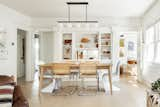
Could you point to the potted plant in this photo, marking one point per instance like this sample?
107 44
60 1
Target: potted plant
156 86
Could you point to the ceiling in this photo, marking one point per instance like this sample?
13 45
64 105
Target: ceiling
96 8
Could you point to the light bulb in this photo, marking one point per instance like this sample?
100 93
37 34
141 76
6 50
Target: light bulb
69 25
60 25
2 30
87 25
78 25
96 24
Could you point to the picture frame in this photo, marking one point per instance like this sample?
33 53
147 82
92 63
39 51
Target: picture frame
3 46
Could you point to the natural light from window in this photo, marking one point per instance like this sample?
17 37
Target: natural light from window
149 47
158 53
158 45
149 35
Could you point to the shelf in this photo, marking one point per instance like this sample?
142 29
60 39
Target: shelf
67 45
105 58
106 39
105 54
99 43
87 48
106 45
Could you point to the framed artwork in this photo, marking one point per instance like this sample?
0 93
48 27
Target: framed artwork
121 42
130 46
3 46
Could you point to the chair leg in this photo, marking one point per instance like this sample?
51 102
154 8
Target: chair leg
82 83
98 83
77 81
82 80
55 85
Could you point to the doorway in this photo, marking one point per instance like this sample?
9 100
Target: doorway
37 51
21 53
128 52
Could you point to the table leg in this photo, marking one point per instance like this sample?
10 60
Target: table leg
41 79
110 79
98 83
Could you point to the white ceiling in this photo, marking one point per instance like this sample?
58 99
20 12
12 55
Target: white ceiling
96 8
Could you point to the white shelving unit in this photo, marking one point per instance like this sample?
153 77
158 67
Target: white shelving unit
99 46
105 42
87 50
67 46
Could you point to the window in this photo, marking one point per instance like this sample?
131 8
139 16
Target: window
149 35
159 31
157 59
150 52
152 44
149 44
158 53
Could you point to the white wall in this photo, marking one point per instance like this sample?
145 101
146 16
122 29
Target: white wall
57 47
151 70
152 15
10 20
46 47
117 24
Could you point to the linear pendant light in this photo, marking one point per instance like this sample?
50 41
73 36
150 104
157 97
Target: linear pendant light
77 21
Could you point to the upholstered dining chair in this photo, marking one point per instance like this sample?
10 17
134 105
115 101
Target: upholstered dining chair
88 70
61 71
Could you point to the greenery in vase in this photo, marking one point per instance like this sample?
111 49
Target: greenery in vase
156 85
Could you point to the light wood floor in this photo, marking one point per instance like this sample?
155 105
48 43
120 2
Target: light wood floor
131 94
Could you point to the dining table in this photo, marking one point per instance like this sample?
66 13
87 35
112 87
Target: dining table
74 65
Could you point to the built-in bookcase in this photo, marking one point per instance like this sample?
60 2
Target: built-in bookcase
105 46
87 46
67 46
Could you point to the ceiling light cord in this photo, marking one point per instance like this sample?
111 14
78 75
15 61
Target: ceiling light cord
77 3
69 15
86 14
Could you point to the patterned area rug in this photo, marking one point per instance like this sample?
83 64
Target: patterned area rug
65 91
69 90
89 91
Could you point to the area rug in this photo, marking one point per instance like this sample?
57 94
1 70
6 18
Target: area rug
88 91
64 91
51 87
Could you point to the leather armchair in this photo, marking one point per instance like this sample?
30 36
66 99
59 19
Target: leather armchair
18 98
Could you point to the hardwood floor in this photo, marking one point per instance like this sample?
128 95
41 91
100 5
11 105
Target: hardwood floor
131 94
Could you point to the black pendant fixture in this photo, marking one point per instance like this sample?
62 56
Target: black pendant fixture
77 21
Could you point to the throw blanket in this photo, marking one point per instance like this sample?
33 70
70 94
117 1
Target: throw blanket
6 95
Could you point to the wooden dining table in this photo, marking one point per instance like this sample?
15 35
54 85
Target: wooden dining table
74 65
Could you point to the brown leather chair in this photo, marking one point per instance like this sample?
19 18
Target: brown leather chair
18 98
